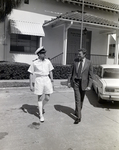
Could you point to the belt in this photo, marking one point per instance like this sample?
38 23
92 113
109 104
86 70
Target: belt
41 75
77 80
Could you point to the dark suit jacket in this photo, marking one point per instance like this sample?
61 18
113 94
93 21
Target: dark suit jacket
87 74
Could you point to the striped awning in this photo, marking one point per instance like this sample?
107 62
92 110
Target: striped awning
76 17
95 4
26 28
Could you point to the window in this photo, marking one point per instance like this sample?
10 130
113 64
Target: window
26 1
1 2
111 50
99 71
112 73
23 43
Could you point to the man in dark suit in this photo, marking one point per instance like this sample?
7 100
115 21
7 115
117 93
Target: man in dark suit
80 80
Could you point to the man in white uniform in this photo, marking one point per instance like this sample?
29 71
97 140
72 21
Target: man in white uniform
41 79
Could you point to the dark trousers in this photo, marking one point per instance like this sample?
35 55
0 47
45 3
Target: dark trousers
79 97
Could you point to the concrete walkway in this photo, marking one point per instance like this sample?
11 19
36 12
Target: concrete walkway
19 130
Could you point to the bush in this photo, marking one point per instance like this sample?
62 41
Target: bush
13 70
61 72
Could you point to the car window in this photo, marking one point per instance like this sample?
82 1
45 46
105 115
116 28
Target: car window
99 71
111 73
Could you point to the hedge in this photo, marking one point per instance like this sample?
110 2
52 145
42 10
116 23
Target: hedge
61 72
15 70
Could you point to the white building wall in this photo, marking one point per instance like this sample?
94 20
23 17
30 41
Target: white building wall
53 41
42 10
17 57
48 7
99 47
99 43
54 8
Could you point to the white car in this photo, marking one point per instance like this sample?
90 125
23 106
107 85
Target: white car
106 83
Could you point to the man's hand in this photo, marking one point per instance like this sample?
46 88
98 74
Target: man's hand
69 84
52 84
87 89
32 87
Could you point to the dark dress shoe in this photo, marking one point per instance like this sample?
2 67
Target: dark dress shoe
77 121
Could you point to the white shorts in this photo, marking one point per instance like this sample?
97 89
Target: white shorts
43 85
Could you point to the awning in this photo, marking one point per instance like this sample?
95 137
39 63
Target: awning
76 17
95 4
26 28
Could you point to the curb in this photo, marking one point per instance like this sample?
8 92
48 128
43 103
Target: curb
56 87
25 84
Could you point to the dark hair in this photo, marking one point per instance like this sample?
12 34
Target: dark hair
83 50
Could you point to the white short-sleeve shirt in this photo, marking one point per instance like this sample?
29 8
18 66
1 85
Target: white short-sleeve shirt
39 67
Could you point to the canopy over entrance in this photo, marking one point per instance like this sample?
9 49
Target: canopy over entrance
73 19
76 18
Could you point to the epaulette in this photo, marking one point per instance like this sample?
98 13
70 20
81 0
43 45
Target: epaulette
35 59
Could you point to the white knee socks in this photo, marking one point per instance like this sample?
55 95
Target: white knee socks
40 106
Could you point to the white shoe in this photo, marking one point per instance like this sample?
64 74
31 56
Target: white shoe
41 118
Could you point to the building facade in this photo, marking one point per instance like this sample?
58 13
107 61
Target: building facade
56 24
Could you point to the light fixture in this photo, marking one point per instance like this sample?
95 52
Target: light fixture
85 31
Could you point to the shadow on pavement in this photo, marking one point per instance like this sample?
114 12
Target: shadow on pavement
93 99
31 109
66 110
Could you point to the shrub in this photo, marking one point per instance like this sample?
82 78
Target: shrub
61 72
13 70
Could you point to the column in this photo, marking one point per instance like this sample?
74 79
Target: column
108 43
117 48
64 46
40 41
66 27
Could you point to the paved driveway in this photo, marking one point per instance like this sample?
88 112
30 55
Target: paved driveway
99 129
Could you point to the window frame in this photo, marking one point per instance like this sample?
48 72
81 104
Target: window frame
14 38
113 54
99 72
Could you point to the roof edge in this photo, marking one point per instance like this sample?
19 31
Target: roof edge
104 6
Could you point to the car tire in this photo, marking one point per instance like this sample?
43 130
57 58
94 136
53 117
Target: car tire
100 100
93 88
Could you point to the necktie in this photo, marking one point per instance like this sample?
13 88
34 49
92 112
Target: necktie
80 69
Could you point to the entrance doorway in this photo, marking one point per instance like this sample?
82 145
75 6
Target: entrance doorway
73 44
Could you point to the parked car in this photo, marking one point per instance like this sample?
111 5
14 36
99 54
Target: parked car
106 83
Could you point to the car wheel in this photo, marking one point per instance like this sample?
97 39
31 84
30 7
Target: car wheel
100 100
